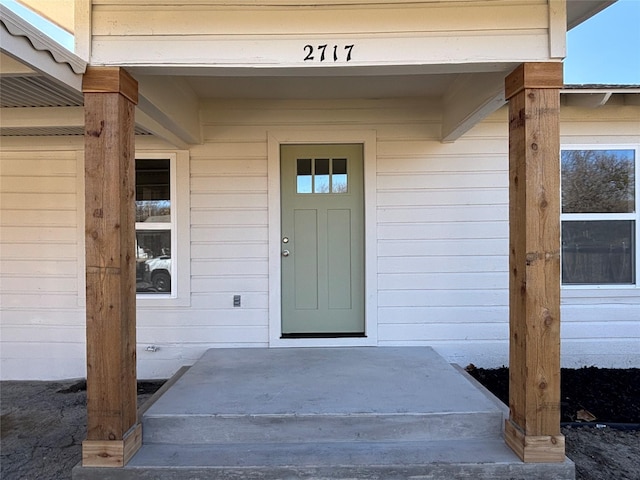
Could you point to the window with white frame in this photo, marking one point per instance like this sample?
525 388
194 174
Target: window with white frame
154 226
599 215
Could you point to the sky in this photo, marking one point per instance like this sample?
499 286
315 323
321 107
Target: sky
52 30
606 48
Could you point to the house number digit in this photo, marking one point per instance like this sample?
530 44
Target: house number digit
343 53
309 50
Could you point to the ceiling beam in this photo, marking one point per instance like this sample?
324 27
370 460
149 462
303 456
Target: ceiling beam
171 108
470 99
151 125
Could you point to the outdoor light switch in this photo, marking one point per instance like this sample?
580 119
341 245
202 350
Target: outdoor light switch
236 300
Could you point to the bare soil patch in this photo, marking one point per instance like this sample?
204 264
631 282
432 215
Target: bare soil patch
43 424
600 411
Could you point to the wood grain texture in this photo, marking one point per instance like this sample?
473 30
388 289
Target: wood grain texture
112 453
110 80
110 266
534 262
534 449
533 75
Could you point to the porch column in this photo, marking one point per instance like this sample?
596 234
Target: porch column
113 431
533 428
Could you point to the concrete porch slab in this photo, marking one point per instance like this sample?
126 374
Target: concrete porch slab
477 460
320 395
325 413
320 381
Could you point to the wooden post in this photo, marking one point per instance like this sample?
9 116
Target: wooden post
533 428
113 431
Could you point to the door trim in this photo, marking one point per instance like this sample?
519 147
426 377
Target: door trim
368 139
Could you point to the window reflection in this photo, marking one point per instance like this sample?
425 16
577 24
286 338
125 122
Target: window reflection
598 210
598 181
153 261
304 176
321 175
153 226
339 175
153 191
598 252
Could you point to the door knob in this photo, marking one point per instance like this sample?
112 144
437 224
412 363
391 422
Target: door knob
285 253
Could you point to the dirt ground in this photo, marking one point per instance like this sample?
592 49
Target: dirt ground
593 400
43 425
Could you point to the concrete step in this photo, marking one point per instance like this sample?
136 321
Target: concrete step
325 427
477 459
321 395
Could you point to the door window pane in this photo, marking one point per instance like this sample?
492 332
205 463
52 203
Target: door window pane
321 179
598 181
321 175
598 252
153 191
339 175
304 176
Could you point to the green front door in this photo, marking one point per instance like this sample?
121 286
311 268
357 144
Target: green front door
322 242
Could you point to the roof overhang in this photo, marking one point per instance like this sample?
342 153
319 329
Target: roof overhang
580 10
169 101
594 96
36 50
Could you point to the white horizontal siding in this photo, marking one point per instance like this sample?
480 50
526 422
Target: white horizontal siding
441 242
442 231
118 18
229 228
42 360
450 314
442 214
42 324
445 332
267 34
601 326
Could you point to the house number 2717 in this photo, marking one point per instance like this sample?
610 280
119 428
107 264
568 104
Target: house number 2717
326 53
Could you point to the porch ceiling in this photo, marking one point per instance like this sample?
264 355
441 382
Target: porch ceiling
169 102
46 77
324 87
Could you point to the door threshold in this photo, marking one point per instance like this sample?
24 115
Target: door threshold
324 335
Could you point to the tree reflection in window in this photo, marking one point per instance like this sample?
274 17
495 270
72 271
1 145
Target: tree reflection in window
598 217
321 175
598 181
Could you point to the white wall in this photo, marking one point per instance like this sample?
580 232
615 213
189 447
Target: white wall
441 241
268 34
41 318
601 326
